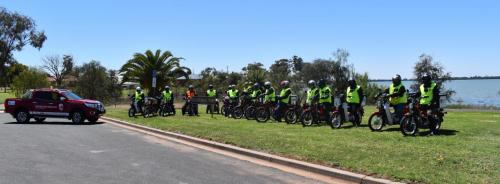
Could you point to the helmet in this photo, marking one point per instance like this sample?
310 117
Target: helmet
322 82
267 84
352 82
210 86
230 86
256 85
426 78
312 83
190 86
285 83
167 87
396 79
138 88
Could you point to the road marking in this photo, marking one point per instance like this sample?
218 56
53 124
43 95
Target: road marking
96 151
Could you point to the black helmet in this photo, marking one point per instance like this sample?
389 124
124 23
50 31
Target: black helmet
352 82
322 83
190 87
230 86
426 78
396 79
167 87
256 85
210 86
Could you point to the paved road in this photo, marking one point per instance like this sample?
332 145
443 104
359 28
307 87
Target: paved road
59 152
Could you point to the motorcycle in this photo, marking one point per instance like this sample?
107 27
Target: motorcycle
151 106
418 117
314 114
215 107
383 115
166 109
133 110
239 111
189 108
343 113
265 112
252 108
293 111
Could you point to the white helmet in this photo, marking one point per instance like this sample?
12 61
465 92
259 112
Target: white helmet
267 83
138 88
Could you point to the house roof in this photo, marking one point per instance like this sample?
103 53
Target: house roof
192 77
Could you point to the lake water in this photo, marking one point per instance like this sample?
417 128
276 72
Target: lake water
475 92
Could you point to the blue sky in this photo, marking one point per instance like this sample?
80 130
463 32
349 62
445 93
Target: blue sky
383 37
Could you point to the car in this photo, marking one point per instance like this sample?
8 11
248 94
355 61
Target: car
40 104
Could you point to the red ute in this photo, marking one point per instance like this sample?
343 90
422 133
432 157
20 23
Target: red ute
55 103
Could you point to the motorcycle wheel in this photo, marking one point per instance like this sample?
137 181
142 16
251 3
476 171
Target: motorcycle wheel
145 114
131 112
262 115
237 113
306 118
250 113
376 122
290 116
335 121
408 126
223 110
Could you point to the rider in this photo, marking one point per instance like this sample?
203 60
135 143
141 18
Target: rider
283 99
233 95
138 99
325 97
269 94
168 98
312 93
397 95
429 98
211 92
247 88
256 91
190 93
354 97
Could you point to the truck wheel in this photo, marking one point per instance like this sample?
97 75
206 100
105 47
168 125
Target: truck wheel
77 117
22 116
39 120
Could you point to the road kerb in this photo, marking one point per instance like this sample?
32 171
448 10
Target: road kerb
315 168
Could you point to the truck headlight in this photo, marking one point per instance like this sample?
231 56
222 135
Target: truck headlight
92 105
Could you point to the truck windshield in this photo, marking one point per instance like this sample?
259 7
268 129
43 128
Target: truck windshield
71 96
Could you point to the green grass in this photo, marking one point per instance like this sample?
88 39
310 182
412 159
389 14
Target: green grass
468 151
4 96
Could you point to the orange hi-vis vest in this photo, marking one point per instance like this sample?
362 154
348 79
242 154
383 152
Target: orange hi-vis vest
190 94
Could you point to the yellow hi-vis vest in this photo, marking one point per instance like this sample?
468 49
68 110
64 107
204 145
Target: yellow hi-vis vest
353 95
397 100
167 96
325 92
282 93
271 97
310 95
211 93
426 96
232 93
138 96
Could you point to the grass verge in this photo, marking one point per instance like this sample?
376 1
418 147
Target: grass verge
468 151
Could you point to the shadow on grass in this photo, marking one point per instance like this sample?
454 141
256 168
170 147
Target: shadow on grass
53 123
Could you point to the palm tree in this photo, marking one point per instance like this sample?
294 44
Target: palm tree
140 68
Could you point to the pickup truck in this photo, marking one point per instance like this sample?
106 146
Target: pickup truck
54 103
